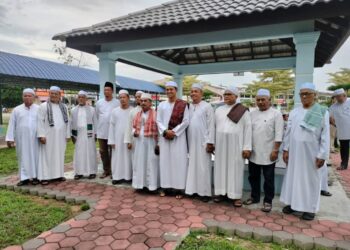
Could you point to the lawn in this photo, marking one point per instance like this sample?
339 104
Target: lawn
204 241
23 217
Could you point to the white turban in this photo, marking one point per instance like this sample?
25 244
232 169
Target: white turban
232 89
339 92
308 85
146 96
263 92
123 91
139 92
171 84
197 86
28 91
55 88
82 92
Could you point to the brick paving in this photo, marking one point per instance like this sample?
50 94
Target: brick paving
343 175
121 218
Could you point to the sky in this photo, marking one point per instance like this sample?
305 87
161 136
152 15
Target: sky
27 28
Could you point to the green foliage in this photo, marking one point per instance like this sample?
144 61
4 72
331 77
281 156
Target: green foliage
345 86
84 207
11 96
24 217
341 77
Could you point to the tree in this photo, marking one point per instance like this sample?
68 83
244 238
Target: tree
340 79
11 96
68 58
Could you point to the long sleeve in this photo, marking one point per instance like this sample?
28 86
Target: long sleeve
211 124
161 127
323 152
41 131
68 126
278 127
10 135
179 129
94 120
286 138
111 131
128 132
247 133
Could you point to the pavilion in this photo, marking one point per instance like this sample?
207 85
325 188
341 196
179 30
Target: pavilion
186 37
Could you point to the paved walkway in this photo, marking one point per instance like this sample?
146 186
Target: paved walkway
343 175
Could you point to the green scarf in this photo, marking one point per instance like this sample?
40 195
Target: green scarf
314 117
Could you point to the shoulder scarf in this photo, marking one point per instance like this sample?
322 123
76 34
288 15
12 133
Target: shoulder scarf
237 112
89 122
50 114
150 127
178 114
314 117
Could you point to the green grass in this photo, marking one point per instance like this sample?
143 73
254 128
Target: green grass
23 217
204 241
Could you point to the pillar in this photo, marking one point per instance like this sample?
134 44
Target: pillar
106 71
179 80
305 44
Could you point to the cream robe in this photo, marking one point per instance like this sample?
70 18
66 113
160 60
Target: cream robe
231 140
302 183
22 130
121 155
51 154
201 131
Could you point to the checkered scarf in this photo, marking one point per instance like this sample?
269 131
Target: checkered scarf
50 114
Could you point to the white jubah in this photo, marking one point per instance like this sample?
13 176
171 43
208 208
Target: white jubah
173 153
51 154
121 155
22 130
145 161
231 139
302 182
83 125
201 131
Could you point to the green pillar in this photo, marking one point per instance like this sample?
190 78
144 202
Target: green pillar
179 80
106 71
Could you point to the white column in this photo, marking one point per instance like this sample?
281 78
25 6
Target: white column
305 44
106 71
179 80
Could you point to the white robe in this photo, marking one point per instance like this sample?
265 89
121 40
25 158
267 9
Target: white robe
51 154
231 140
201 131
145 161
173 153
121 155
85 156
103 113
302 183
22 130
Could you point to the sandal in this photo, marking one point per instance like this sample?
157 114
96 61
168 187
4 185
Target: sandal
179 196
162 194
218 199
237 203
267 207
250 201
44 182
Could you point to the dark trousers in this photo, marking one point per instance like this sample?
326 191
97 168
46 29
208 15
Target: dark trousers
344 153
269 181
106 155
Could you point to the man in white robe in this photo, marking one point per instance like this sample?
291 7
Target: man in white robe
121 155
201 135
172 121
233 144
305 150
104 109
128 138
53 132
22 130
83 127
145 158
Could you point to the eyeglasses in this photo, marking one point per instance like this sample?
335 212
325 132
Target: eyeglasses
306 94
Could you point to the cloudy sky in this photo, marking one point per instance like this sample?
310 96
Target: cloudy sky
27 26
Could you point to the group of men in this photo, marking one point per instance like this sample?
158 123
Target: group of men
171 149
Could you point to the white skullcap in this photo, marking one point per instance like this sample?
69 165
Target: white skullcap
171 84
123 91
55 88
233 90
28 91
308 85
139 92
82 92
339 92
197 86
263 92
146 96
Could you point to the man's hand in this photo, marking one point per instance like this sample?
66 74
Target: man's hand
246 154
210 148
170 134
285 157
274 155
319 163
136 134
113 146
10 144
129 146
42 140
331 120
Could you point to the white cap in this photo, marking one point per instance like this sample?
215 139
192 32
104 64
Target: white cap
28 91
146 96
339 92
263 92
123 91
139 92
233 90
171 84
55 88
308 85
197 86
82 92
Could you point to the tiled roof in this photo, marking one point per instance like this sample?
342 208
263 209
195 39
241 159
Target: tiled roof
183 11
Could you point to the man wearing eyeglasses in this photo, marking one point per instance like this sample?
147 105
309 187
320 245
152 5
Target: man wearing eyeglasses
305 150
